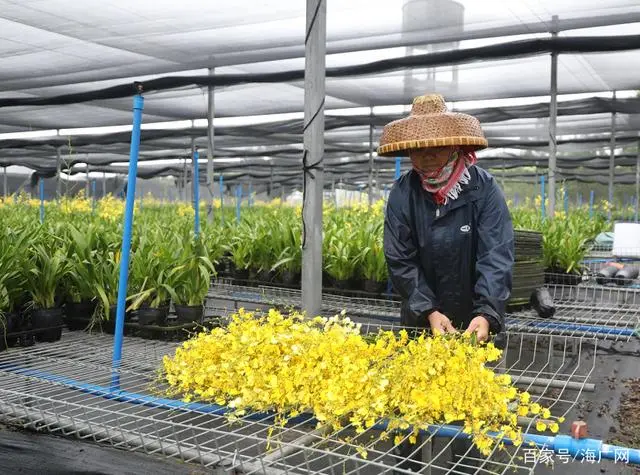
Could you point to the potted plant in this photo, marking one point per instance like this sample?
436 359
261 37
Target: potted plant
44 272
342 257
149 275
80 280
288 251
189 281
242 250
564 249
107 275
265 240
374 266
12 282
216 241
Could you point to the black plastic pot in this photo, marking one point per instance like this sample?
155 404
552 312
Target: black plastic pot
342 284
542 303
264 276
290 278
153 316
226 266
556 276
374 286
327 280
12 322
241 274
606 274
109 326
189 313
50 320
79 314
627 275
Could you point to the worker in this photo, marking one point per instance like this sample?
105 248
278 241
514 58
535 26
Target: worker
448 235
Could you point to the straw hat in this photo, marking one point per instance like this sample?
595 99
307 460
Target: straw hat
429 125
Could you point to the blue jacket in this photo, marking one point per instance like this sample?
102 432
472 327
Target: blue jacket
456 258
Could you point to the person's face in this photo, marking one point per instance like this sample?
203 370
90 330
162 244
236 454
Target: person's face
430 160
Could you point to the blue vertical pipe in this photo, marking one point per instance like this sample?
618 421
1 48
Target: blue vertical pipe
41 190
138 105
196 193
579 200
566 202
543 209
592 196
93 195
221 185
398 163
238 198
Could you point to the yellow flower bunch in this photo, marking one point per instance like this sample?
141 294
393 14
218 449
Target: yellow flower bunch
293 365
110 208
378 208
78 204
185 209
605 206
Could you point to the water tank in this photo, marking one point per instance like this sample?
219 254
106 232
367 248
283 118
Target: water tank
626 240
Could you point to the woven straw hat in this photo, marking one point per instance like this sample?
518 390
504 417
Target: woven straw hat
430 124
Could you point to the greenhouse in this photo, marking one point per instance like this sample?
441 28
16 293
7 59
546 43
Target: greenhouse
222 252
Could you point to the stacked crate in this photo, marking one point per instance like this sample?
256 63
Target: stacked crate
528 271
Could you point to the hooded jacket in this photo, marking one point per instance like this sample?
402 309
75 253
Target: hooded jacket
455 258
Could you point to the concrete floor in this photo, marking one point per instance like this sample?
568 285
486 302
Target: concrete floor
31 453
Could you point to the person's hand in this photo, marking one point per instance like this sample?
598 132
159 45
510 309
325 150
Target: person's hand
480 326
440 323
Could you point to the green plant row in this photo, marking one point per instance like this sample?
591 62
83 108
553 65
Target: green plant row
566 238
74 255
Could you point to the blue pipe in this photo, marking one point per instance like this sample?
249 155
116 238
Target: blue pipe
238 199
566 202
592 196
597 260
221 185
577 448
600 330
138 105
510 321
543 210
121 395
398 163
41 190
196 193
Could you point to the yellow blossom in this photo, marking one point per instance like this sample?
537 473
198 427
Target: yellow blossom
289 364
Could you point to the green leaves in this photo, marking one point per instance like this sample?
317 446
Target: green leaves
565 238
46 266
190 277
12 267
